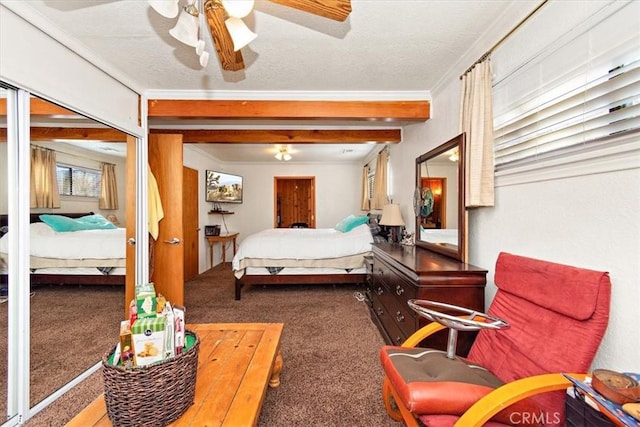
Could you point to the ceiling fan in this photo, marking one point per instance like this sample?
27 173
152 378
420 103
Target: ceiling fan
228 31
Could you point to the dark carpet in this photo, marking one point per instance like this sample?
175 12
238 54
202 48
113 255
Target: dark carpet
331 374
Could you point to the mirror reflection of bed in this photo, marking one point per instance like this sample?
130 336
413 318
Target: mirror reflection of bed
56 296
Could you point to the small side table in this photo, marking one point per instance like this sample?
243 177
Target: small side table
222 239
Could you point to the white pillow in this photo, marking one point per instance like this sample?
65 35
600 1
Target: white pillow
41 229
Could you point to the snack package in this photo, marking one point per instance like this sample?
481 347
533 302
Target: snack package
127 351
169 331
160 303
148 340
178 313
146 303
133 312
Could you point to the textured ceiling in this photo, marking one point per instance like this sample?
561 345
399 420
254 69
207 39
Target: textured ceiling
385 46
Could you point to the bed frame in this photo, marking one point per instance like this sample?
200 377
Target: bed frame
65 279
292 279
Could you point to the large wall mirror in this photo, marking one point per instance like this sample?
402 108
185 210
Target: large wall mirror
441 219
75 310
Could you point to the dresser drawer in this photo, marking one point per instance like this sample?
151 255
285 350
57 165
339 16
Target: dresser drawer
398 285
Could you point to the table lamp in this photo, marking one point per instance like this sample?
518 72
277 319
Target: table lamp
392 217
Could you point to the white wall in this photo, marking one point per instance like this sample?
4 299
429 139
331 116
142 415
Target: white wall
337 195
589 220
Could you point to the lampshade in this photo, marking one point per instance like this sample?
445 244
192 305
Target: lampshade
240 34
391 215
186 29
200 47
238 8
204 58
166 8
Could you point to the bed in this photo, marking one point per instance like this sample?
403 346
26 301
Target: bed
302 256
83 257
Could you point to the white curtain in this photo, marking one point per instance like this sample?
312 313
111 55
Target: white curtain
365 188
380 197
108 187
44 182
476 121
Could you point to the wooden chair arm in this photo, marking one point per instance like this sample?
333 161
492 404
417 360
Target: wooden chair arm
510 393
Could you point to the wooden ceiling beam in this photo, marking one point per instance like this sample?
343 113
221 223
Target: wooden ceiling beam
290 110
288 136
40 107
227 136
267 110
84 134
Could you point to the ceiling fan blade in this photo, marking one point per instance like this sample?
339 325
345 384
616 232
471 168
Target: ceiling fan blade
230 60
338 10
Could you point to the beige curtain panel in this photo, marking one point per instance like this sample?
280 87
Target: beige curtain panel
476 120
365 189
380 197
44 184
108 187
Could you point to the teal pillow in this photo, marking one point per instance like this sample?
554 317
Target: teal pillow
351 222
96 222
61 223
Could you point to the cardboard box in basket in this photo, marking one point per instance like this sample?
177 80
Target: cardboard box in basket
148 340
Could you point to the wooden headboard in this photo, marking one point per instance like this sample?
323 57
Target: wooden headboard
35 217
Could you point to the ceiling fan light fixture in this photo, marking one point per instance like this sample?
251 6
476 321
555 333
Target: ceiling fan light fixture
238 8
240 34
283 154
186 29
166 8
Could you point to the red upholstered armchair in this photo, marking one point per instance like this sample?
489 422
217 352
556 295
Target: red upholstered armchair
557 316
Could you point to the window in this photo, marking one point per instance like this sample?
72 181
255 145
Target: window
578 94
78 181
370 179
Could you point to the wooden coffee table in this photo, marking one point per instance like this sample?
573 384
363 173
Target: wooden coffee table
235 364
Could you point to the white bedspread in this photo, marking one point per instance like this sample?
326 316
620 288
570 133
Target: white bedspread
434 235
85 244
304 243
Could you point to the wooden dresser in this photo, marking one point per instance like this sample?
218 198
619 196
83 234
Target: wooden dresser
399 273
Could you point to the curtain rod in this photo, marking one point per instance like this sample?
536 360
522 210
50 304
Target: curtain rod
505 37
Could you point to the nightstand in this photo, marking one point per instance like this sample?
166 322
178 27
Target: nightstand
223 238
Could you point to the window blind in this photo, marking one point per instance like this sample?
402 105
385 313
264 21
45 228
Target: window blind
580 93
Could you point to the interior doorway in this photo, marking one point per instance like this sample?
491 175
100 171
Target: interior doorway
295 201
438 217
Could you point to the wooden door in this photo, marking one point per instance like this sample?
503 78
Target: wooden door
130 214
165 161
190 226
438 218
294 201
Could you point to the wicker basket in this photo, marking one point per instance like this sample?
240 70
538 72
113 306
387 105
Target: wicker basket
152 395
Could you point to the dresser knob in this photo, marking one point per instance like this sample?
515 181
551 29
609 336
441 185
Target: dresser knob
399 290
379 291
398 340
399 317
380 311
